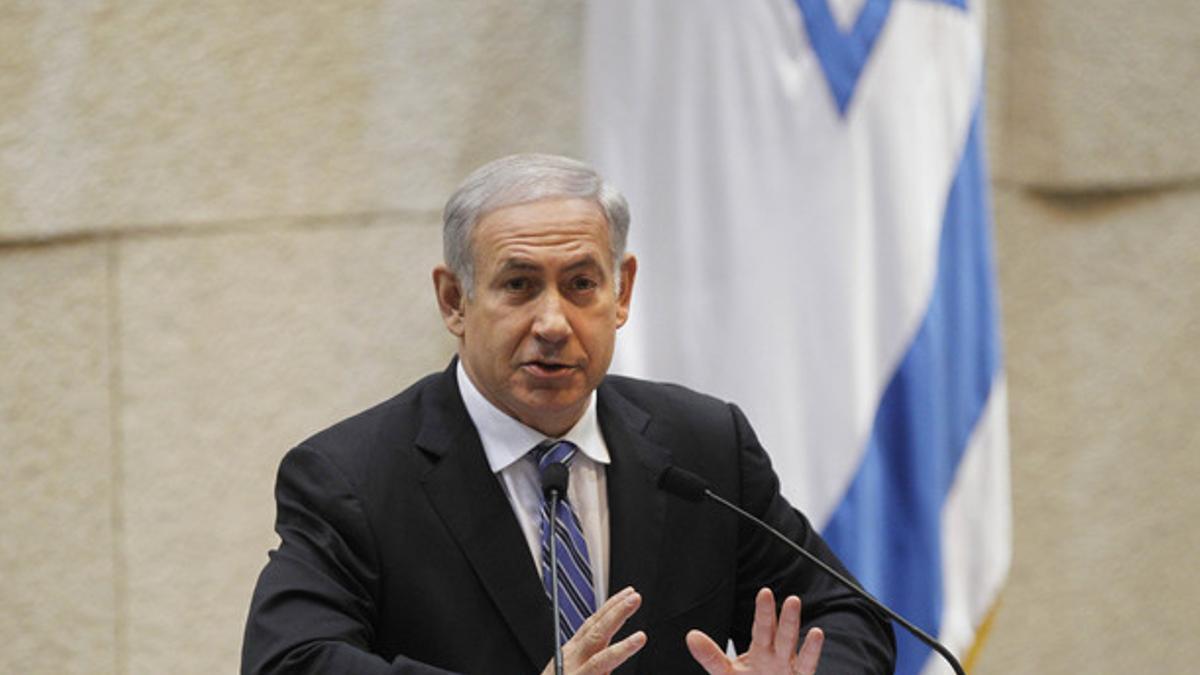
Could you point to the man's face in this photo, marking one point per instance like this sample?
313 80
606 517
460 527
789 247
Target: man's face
537 335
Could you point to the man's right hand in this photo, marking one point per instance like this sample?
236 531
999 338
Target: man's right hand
588 651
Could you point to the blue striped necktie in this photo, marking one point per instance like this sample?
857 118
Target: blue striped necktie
577 599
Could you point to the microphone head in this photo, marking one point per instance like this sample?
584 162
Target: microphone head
683 483
554 479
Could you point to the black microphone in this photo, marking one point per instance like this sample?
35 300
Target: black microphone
554 480
554 488
685 484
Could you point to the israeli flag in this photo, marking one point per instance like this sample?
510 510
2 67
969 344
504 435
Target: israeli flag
811 212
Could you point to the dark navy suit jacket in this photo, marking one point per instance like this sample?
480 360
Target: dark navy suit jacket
400 552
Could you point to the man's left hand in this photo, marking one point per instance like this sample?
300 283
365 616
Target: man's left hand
772 644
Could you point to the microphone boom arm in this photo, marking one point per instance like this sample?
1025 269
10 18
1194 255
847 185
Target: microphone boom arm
917 632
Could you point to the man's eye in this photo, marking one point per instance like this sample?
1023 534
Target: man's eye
583 283
517 284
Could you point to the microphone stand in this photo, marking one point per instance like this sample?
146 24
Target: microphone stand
554 485
558 655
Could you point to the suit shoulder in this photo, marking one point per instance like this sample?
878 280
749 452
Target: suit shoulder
672 400
352 442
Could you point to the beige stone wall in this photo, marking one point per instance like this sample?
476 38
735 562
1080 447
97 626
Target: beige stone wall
1096 160
58 484
217 221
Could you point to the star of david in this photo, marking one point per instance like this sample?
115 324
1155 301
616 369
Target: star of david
843 55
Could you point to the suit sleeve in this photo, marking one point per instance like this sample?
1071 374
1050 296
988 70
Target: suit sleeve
314 608
858 639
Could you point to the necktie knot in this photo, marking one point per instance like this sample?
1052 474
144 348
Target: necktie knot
550 452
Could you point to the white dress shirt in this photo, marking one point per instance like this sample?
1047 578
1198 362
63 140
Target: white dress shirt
507 443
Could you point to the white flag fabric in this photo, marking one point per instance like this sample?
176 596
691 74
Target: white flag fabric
810 210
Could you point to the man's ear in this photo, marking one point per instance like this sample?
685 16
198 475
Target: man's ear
628 271
451 299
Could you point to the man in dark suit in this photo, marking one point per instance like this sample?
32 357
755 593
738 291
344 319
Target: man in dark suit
414 536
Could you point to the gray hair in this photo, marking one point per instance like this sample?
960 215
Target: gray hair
521 179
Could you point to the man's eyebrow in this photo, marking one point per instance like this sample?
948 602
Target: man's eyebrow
588 260
519 264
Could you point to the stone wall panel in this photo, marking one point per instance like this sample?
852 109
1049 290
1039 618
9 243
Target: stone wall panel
1099 95
1102 315
57 556
236 346
136 114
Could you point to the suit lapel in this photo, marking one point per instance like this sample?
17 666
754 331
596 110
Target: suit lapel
636 507
466 494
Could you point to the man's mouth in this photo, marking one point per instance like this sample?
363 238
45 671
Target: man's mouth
548 368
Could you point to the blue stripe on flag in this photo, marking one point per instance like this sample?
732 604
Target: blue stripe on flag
887 529
843 55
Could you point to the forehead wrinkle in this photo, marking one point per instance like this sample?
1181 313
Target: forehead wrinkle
557 233
519 262
510 229
527 249
545 239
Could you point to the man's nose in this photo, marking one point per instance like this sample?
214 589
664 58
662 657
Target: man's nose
551 324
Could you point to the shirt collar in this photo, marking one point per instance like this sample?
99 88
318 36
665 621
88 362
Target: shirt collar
506 440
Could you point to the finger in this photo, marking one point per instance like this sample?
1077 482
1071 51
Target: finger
810 653
599 628
606 660
708 654
788 634
762 633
